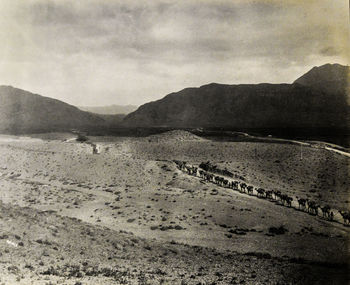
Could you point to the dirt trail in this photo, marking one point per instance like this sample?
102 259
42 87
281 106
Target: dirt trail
338 151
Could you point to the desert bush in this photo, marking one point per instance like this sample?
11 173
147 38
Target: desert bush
13 269
51 271
81 138
278 231
29 266
259 255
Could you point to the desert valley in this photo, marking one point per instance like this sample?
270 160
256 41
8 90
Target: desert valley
83 202
129 215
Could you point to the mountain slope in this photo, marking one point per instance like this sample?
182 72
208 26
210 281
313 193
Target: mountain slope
110 110
247 106
331 78
22 111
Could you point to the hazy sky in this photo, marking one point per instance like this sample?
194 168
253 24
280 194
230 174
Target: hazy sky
130 52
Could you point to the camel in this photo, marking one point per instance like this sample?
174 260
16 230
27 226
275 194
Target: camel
191 170
209 177
201 173
289 201
315 209
194 171
346 216
261 192
326 211
277 194
312 207
243 187
234 185
302 203
250 190
286 200
268 194
216 179
219 180
283 198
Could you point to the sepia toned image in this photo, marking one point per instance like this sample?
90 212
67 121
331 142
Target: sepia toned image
174 142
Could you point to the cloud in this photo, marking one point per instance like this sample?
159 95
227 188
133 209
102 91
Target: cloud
104 52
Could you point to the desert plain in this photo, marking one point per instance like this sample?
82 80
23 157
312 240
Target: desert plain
129 215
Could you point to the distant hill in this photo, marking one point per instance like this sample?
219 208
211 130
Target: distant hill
307 103
25 112
174 135
110 110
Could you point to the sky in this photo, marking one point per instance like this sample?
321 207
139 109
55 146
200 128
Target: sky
103 52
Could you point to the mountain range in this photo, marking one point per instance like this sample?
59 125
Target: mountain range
317 99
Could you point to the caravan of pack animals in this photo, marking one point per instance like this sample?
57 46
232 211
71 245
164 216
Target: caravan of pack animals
207 173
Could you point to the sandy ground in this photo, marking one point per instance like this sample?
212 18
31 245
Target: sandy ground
129 216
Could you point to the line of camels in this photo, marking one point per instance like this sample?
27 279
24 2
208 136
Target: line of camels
305 205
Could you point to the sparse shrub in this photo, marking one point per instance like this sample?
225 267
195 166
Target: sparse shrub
259 255
29 266
51 271
81 138
134 240
13 269
278 231
46 242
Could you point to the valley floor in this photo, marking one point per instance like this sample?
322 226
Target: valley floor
128 215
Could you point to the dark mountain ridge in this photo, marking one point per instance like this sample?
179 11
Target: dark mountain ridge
25 112
303 104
